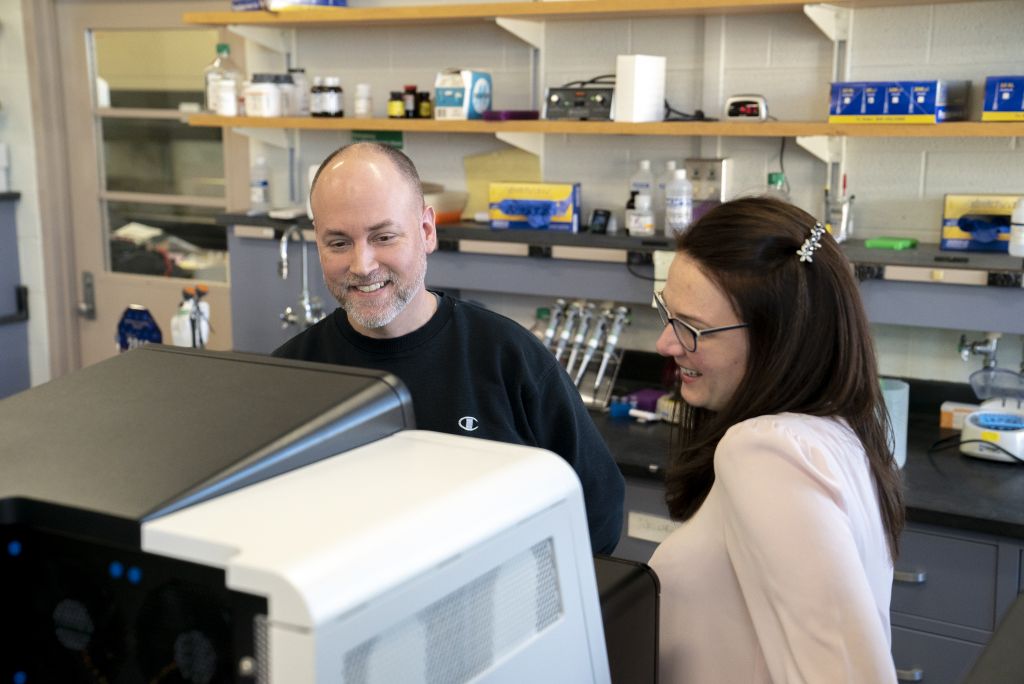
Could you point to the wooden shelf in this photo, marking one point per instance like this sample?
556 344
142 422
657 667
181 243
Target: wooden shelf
766 129
566 9
575 9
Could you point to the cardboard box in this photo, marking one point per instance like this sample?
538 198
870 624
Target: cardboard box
977 223
923 102
1004 98
639 88
461 94
535 206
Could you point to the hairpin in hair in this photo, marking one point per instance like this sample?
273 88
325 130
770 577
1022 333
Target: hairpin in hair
812 243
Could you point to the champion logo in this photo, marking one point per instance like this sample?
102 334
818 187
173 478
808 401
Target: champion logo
469 423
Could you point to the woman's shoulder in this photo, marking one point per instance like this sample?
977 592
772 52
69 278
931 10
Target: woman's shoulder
813 443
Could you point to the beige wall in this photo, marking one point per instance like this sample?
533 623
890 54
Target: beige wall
154 60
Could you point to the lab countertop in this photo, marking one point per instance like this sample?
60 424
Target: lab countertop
943 488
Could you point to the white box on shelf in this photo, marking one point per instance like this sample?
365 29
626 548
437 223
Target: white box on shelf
639 88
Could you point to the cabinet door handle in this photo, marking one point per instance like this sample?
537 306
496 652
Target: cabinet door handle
913 675
910 577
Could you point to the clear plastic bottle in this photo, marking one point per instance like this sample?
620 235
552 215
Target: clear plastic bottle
658 197
678 204
363 102
259 186
298 75
220 69
642 181
1016 247
640 219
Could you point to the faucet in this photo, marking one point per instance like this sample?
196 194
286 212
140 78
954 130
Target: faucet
312 310
986 348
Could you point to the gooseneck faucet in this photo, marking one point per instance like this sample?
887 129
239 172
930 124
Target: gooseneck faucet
312 310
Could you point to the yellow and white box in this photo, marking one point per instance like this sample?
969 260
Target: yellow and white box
535 206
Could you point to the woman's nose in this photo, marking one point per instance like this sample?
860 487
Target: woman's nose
668 343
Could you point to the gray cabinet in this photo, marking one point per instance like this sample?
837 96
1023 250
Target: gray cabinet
950 590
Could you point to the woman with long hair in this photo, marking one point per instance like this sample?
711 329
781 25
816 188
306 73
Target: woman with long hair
788 491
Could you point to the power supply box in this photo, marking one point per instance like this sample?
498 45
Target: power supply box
587 103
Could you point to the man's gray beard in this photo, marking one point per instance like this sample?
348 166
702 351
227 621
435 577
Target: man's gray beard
371 320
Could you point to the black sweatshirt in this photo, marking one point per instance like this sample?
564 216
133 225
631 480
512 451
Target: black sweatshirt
472 368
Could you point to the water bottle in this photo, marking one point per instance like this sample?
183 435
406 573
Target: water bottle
678 204
259 187
642 181
659 194
1017 229
220 69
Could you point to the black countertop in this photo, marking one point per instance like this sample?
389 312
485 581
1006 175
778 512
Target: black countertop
942 488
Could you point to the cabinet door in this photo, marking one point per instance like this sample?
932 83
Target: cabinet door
929 658
946 578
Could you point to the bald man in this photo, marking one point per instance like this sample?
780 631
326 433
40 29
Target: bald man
470 371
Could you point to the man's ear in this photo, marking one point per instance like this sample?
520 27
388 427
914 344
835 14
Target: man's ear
429 228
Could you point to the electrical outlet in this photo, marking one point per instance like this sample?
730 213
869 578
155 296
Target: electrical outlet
708 178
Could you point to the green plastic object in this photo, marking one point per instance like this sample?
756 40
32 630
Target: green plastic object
896 243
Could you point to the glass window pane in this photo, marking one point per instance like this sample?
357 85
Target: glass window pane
152 69
162 156
167 240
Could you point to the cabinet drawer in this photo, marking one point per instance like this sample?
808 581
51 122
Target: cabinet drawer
945 578
931 659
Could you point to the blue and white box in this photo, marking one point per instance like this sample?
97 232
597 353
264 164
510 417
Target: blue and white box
461 94
913 102
1004 98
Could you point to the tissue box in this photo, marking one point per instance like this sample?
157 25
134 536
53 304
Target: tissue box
461 94
535 206
1004 98
897 101
639 88
977 223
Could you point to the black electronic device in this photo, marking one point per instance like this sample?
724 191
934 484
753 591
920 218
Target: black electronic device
584 103
599 221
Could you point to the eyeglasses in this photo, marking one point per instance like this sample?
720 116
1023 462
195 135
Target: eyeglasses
686 333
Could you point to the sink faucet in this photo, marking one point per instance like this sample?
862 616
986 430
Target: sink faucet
986 348
312 310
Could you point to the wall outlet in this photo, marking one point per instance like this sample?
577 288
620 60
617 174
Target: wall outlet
708 178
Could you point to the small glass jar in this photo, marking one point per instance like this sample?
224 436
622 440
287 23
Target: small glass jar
409 102
424 107
396 106
263 97
332 99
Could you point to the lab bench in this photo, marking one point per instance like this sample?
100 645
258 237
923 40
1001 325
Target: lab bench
961 553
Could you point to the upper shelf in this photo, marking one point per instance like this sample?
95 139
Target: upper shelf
764 129
574 9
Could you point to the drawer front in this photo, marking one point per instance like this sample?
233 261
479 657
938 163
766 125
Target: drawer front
931 659
945 578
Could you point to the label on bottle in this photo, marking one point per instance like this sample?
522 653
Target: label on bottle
330 103
678 214
640 223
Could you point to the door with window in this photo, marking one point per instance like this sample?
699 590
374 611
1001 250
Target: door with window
145 187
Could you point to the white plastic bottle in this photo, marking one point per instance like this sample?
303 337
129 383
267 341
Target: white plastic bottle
259 186
363 102
642 181
640 219
220 69
1017 229
678 204
658 197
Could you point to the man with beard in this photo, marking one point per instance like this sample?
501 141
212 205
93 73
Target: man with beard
470 371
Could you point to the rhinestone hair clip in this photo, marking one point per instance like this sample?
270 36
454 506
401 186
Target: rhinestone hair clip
811 244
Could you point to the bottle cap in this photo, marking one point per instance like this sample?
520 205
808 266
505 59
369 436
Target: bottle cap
362 90
776 179
333 81
410 89
679 174
297 70
645 164
223 48
670 165
318 80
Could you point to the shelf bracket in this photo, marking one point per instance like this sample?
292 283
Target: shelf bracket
833 21
826 148
528 142
273 39
530 31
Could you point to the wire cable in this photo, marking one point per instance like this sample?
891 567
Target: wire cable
672 114
641 276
